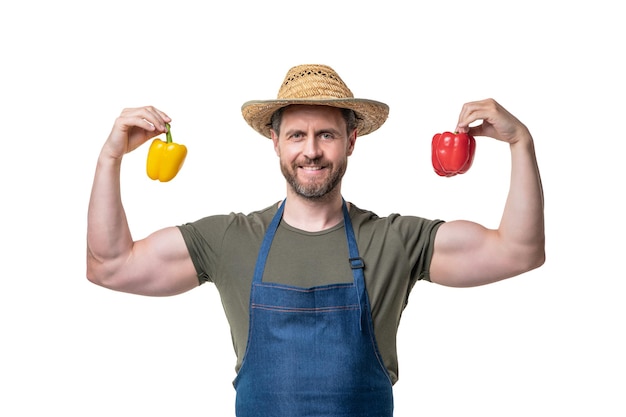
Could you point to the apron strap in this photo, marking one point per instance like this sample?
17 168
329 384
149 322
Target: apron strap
266 245
357 265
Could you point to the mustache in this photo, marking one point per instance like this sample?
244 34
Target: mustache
310 161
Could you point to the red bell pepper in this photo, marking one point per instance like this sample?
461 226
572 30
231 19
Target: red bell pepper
452 153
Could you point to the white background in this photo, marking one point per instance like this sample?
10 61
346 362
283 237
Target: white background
548 343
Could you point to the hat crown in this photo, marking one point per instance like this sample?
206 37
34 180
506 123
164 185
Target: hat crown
313 82
316 85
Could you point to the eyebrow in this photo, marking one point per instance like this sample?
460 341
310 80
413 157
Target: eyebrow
318 132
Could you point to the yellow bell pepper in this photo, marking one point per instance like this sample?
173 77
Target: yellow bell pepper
165 158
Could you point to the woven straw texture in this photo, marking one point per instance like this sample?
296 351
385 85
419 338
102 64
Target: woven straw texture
316 85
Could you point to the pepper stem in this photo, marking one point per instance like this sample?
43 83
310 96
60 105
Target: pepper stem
168 133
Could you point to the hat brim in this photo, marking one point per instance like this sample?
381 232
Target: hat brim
370 114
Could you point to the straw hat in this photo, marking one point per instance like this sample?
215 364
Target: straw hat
318 85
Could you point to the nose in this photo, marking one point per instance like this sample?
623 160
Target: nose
312 149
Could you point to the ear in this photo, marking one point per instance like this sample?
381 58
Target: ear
351 142
275 140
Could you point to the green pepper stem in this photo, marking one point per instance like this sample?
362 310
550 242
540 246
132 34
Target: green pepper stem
168 133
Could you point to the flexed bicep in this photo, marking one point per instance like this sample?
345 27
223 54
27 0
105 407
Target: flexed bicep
467 254
158 265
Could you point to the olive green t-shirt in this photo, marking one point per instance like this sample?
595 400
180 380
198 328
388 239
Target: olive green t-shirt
396 250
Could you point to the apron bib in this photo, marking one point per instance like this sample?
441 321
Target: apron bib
312 351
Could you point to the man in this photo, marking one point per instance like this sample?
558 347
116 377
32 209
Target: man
313 286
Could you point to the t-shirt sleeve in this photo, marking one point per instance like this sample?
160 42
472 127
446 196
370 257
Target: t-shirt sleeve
203 239
418 235
223 246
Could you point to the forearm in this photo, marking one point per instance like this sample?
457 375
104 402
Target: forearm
522 224
108 235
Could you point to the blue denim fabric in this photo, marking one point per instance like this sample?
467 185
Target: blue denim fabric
311 351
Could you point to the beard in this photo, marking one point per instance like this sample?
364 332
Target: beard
314 189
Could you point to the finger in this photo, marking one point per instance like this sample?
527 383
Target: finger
157 117
474 111
476 130
148 117
163 115
467 116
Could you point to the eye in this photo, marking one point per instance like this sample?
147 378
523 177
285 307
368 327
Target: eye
327 136
296 136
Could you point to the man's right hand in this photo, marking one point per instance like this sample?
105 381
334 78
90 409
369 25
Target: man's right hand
133 128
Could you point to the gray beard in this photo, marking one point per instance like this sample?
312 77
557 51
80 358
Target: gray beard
314 191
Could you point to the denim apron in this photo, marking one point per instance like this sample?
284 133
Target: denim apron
311 351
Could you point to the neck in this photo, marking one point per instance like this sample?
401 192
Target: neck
313 215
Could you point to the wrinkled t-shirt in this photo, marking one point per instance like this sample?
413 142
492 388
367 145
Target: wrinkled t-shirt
396 251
